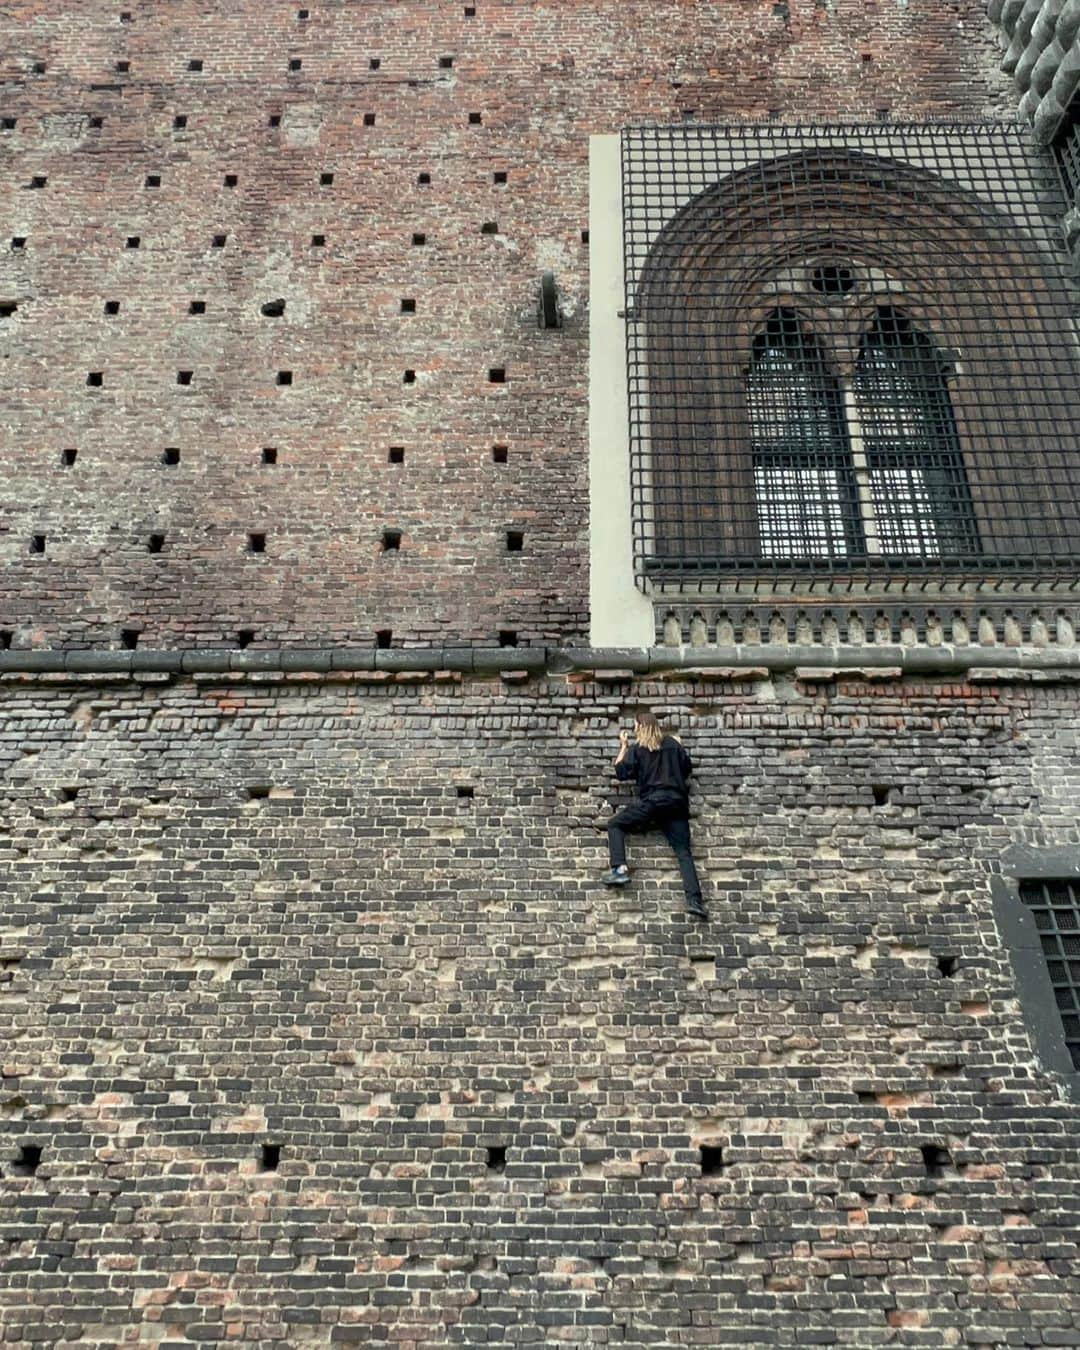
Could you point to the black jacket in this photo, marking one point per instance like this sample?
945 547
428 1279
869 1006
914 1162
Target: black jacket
663 773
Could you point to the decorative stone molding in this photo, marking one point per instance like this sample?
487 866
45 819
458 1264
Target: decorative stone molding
1042 53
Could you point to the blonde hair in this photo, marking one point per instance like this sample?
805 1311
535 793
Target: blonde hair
648 730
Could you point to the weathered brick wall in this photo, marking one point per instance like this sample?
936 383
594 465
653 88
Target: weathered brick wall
386 980
541 77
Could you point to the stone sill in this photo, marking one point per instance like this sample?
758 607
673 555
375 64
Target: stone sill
606 666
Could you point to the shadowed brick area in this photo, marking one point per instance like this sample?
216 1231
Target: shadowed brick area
254 157
306 1046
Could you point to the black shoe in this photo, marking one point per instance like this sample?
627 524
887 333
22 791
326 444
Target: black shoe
615 877
697 909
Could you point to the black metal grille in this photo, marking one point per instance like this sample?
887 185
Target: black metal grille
852 350
1067 151
1056 907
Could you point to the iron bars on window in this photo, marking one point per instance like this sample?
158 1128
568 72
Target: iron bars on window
852 352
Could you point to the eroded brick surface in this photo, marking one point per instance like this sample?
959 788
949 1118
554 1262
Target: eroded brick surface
261 915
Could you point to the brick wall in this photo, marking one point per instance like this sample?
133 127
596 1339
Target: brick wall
541 77
261 915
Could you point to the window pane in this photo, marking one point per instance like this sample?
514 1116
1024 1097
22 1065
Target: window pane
800 512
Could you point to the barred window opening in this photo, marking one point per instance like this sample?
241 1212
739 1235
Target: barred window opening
1055 906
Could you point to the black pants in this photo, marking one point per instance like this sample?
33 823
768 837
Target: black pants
663 814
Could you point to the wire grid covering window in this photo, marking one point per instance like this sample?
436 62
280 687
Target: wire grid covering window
851 349
1055 906
1067 152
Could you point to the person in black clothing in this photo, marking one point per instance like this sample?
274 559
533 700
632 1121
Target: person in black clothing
661 768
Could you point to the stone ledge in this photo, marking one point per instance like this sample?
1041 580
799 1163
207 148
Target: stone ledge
743 662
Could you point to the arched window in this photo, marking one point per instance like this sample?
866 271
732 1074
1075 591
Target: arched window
920 497
804 485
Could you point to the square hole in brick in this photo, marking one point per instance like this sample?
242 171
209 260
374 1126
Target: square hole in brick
258 792
125 16
270 1157
269 454
38 181
8 308
507 637
95 379
408 305
947 966
295 63
712 1160
112 307
122 67
409 377
490 227
37 543
133 241
38 68
500 453
170 455
28 1161
935 1160
195 63
129 639
256 542
153 180
245 637
284 377
496 1158
68 457
184 376
374 63
499 177
326 180
884 794
179 122
446 63
303 14
383 638
155 543
424 179
515 541
470 11
391 541
231 179
197 307
497 375
96 123
69 793
475 119
6 639
584 236
18 242
318 241
419 240
465 792
369 119
274 120
396 454
218 240
8 123
273 309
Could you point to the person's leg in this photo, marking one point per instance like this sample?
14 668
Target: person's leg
677 832
635 816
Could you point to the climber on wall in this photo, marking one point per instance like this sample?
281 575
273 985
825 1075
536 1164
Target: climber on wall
661 768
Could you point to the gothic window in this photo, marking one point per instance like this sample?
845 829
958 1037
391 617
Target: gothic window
919 492
804 487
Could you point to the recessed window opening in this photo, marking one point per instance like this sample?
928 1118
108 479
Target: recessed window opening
184 376
122 67
500 453
497 375
8 308
269 454
179 122
369 119
133 241
318 240
7 637
408 305
295 63
112 307
69 794
712 1160
284 377
396 454
507 637
95 379
18 241
155 543
1055 907
499 177
258 792
446 62
490 227
383 638
496 1158
326 180
129 639
832 279
96 123
38 181
515 541
424 179
170 455
257 543
28 1161
419 240
391 541
195 63
273 309
68 457
231 179
374 63
883 794
245 637
466 793
947 966
153 180
8 123
274 120
219 241
475 119
197 307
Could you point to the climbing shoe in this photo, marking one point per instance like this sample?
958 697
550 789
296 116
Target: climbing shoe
697 909
618 876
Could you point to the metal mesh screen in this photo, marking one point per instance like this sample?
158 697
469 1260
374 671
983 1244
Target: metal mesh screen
1056 907
852 353
1067 150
